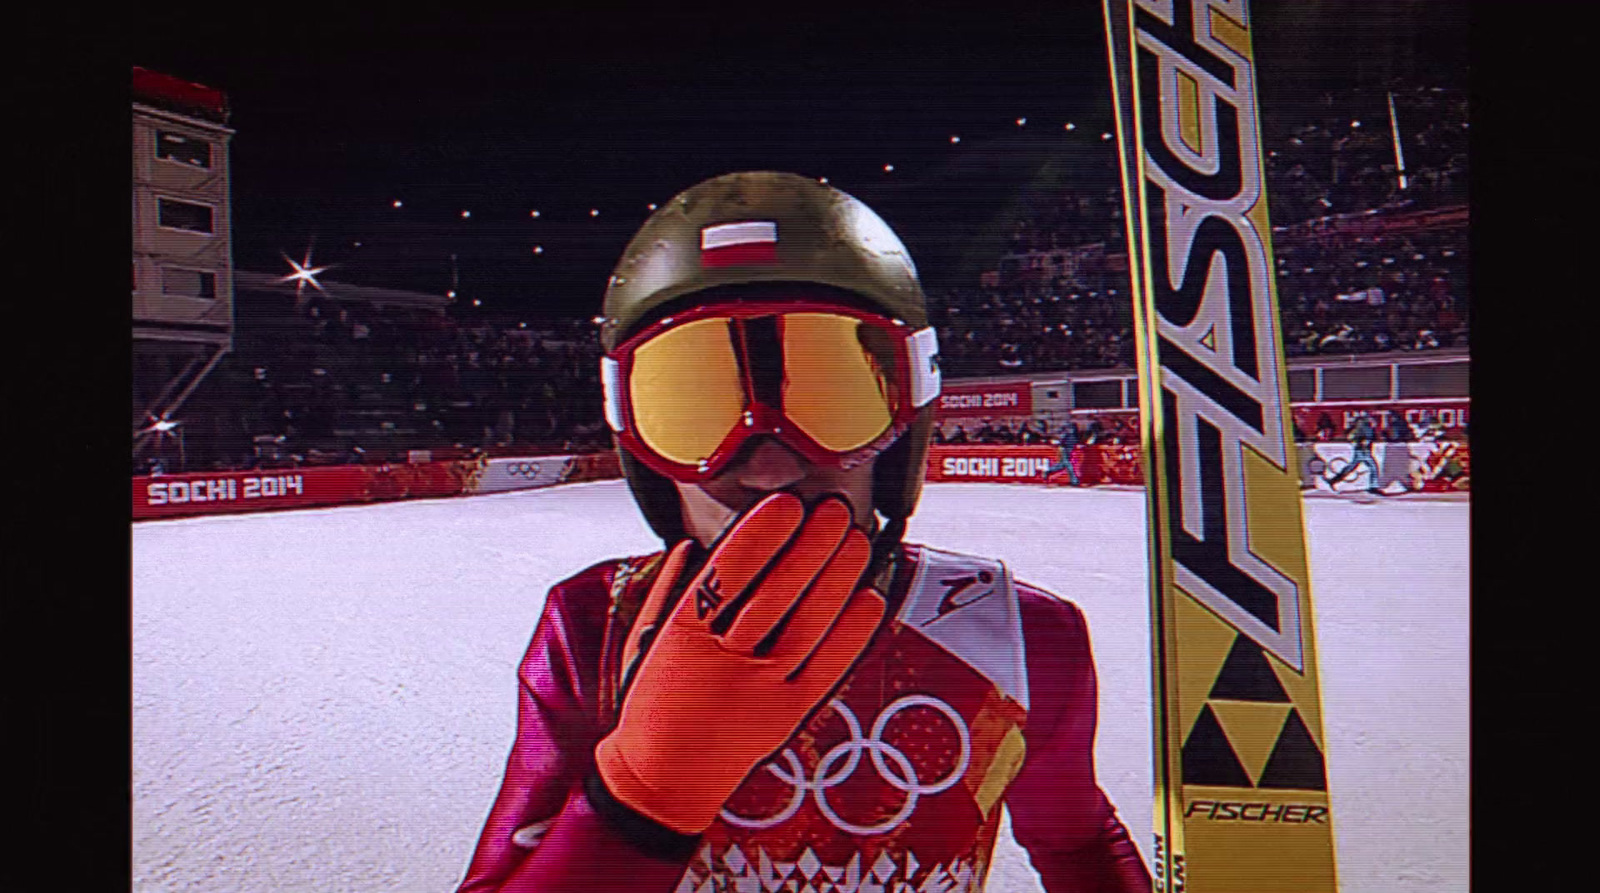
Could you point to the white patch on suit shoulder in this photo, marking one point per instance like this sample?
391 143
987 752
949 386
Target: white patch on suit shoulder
969 606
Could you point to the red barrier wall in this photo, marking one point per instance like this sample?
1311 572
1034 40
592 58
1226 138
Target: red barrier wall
182 495
1453 414
594 467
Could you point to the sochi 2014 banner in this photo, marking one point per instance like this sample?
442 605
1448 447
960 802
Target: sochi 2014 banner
1086 465
991 464
1012 398
182 495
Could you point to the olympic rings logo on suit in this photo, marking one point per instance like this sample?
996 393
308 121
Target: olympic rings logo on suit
522 469
902 778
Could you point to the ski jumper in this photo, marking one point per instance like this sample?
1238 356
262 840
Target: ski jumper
1361 437
976 691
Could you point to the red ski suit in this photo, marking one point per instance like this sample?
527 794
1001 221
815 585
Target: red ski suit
977 690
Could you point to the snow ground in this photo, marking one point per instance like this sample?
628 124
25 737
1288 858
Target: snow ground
323 700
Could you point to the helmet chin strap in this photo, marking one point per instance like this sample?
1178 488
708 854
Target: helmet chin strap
885 549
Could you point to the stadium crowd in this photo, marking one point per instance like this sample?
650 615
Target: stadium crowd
1347 292
1357 271
333 384
1116 430
1360 269
1340 157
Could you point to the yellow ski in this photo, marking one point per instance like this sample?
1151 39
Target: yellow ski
1240 757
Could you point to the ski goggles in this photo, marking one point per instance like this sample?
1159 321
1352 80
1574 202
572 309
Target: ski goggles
831 382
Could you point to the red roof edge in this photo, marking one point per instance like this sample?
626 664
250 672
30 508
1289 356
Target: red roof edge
179 95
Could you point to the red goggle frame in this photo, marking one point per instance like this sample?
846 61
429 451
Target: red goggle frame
705 390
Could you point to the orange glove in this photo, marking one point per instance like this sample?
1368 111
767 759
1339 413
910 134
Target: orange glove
710 701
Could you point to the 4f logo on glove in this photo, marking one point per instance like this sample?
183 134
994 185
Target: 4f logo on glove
708 597
776 621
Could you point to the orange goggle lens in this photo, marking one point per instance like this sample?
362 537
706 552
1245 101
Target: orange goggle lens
686 391
830 376
836 386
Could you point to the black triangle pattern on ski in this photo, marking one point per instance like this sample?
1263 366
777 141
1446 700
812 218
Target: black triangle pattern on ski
1208 757
1246 676
1296 761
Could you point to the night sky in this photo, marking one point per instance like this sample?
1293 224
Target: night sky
563 111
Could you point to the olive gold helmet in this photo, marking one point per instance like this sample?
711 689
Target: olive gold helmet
752 234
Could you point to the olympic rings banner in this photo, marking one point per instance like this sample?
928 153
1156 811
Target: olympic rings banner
523 474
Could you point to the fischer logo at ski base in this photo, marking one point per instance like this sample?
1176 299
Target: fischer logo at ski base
1260 811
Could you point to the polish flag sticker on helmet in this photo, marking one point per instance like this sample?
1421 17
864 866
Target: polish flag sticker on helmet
738 244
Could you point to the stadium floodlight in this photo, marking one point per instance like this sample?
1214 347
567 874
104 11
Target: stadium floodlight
538 249
888 168
651 206
594 212
466 214
598 320
1071 126
955 139
303 273
1021 121
396 203
534 213
451 294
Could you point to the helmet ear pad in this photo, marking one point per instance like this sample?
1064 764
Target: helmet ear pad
656 496
897 477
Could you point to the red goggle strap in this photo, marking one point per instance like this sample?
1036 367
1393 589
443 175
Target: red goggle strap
922 349
611 385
